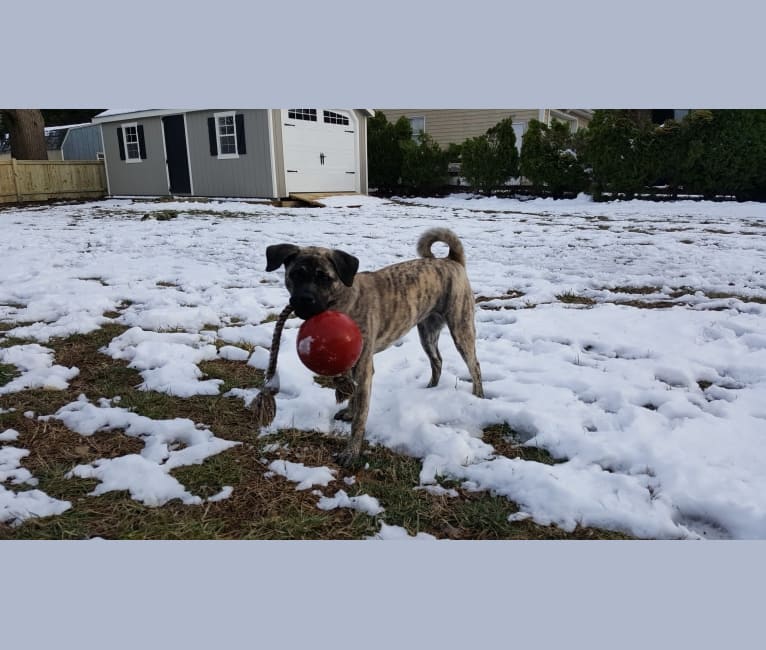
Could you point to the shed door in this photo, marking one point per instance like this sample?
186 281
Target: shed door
320 148
177 157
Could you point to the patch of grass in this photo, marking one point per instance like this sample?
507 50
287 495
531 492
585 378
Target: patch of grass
648 304
510 294
7 373
100 280
160 215
211 476
270 318
507 443
235 374
571 298
9 341
259 507
635 290
719 295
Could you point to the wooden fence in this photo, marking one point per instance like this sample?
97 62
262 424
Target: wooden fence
40 180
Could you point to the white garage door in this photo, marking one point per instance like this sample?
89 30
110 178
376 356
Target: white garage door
320 148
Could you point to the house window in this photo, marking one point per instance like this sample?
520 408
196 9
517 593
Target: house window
132 149
226 134
309 114
418 126
335 118
519 129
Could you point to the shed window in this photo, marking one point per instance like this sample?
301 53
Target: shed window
335 118
130 138
227 135
309 114
131 143
226 132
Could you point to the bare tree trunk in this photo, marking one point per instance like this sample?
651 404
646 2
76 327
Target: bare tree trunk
26 128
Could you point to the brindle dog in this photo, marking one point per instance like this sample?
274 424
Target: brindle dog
428 292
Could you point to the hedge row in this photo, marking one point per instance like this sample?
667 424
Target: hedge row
622 153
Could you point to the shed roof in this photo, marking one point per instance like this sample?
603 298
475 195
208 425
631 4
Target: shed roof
116 114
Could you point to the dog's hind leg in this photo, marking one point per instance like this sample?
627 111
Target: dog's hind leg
429 329
463 331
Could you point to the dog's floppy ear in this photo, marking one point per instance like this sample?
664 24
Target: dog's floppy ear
346 265
278 254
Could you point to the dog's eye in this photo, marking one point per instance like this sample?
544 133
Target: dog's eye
300 274
321 276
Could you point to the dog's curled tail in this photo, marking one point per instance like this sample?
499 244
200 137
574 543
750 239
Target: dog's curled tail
445 235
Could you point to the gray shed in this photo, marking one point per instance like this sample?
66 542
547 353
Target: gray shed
82 142
71 142
259 153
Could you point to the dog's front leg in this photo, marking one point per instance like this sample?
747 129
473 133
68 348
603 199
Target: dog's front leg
359 406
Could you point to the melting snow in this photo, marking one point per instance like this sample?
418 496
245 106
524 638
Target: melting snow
657 414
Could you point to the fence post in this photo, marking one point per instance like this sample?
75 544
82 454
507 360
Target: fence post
16 179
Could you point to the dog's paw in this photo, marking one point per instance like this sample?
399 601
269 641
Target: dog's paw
344 414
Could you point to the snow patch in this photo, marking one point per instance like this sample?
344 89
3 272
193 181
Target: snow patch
35 363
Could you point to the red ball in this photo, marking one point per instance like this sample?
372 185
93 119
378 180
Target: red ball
329 343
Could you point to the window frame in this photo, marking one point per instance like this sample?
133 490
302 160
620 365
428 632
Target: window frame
335 118
219 136
416 135
303 114
125 127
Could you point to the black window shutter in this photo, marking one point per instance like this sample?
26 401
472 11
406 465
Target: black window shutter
212 136
141 143
121 143
240 122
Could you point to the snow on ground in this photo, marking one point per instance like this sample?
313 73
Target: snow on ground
305 477
167 444
388 532
658 414
362 503
36 367
167 360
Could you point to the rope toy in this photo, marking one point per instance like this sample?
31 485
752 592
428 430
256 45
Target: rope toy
264 406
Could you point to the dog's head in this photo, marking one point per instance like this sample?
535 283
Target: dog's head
314 276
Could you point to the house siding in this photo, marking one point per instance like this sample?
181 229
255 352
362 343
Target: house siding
249 175
145 178
448 126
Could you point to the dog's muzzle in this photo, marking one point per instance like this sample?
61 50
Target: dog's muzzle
306 306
